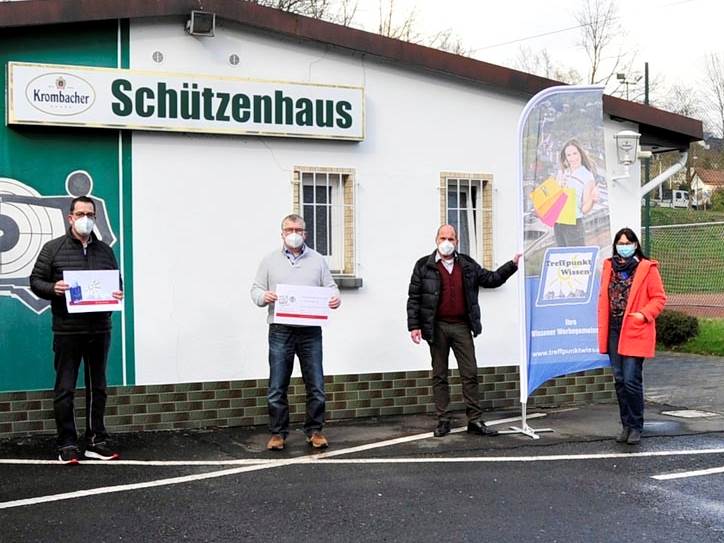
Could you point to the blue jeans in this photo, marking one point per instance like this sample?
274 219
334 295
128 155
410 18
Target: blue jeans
285 342
628 375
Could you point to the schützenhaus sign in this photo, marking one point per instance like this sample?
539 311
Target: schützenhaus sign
140 100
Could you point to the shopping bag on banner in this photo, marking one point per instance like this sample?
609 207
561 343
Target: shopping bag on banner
568 213
554 212
545 195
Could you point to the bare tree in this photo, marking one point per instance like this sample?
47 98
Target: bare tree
602 40
404 26
449 41
682 100
317 9
540 63
714 93
391 26
346 12
392 22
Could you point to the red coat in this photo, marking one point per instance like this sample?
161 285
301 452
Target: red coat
646 296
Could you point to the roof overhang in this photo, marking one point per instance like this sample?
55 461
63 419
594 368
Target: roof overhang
660 130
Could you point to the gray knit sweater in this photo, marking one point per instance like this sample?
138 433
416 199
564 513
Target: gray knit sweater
310 269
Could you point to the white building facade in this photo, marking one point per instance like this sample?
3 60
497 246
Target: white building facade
195 213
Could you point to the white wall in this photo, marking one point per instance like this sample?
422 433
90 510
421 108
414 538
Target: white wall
207 208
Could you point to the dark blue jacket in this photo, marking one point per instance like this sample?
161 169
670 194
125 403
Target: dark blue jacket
66 254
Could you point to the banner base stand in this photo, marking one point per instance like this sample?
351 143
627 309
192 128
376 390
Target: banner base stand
527 430
524 428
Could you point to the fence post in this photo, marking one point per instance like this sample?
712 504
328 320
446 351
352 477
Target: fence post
647 209
647 175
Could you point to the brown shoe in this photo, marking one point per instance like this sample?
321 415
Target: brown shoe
317 440
275 443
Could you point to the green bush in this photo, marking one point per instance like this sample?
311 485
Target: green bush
674 328
717 200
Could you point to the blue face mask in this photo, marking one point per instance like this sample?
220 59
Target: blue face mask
626 251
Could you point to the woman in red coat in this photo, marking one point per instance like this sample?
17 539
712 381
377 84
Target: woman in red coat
631 297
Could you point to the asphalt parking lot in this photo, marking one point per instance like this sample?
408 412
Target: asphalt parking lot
387 480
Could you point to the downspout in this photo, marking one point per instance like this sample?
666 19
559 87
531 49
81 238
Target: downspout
663 176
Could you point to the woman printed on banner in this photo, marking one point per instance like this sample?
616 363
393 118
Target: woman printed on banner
577 172
631 297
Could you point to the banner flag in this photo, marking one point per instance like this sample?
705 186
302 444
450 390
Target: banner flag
565 234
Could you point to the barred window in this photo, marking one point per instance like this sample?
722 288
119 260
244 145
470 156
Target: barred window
325 198
466 204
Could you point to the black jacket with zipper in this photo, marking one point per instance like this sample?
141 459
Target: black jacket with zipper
424 291
66 254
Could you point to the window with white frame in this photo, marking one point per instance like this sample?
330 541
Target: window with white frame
467 205
325 198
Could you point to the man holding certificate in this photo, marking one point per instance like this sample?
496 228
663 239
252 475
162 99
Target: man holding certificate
296 285
81 325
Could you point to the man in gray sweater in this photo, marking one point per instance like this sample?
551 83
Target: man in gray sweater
294 264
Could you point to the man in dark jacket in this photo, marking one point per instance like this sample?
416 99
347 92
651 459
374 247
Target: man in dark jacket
77 336
442 308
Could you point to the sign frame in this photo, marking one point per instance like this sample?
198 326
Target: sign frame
19 110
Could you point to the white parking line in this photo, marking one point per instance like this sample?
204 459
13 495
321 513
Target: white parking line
138 486
237 462
502 459
251 461
322 459
684 474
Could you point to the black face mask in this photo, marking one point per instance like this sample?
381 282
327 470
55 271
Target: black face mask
624 267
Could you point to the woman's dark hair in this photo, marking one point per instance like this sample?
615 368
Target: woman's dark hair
631 236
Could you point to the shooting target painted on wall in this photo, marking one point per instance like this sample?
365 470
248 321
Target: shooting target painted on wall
25 225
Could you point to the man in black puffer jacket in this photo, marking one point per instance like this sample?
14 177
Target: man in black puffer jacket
77 336
442 308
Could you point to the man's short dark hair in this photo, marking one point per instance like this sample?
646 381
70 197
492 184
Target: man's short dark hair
83 199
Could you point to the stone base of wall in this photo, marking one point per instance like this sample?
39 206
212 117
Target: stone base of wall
243 403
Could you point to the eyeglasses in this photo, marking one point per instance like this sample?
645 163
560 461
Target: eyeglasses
80 214
293 231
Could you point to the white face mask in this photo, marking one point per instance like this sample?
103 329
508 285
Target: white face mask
84 226
446 248
294 240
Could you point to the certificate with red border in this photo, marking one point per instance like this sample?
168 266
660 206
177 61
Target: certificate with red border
91 291
302 305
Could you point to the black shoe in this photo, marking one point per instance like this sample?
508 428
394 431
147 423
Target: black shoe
623 436
69 454
634 437
443 428
479 428
100 450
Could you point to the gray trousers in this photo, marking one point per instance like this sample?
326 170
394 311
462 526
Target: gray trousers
458 337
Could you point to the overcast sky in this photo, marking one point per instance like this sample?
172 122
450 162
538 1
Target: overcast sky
672 35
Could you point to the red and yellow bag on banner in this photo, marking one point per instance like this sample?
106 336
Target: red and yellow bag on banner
549 199
568 213
553 203
545 195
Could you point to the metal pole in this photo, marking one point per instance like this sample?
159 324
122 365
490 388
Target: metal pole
647 175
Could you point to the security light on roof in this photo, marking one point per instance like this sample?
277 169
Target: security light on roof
201 23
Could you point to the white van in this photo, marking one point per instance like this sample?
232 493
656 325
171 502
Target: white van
679 198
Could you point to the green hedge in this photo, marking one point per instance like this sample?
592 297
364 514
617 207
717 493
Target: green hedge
674 328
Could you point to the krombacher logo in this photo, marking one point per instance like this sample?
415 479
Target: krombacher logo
194 103
60 94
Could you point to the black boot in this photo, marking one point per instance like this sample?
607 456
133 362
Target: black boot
443 428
